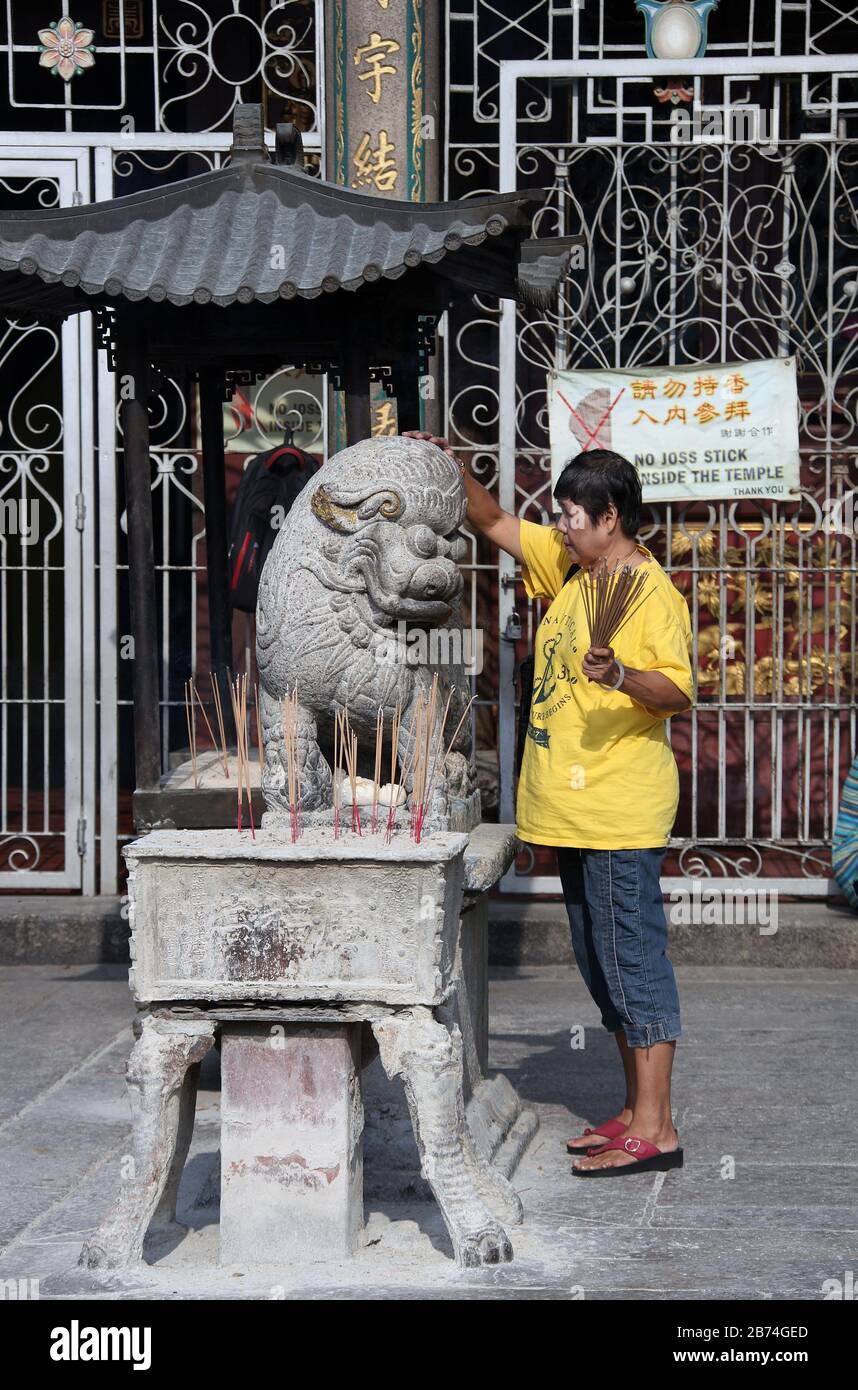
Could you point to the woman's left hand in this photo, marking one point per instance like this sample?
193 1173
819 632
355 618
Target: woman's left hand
599 665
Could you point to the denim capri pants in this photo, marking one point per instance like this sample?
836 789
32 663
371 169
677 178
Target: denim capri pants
619 936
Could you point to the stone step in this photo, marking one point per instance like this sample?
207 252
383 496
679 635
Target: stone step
806 933
41 930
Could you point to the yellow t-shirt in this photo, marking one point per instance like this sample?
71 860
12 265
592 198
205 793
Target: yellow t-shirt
598 771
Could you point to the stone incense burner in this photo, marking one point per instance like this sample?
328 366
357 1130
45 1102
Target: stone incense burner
332 969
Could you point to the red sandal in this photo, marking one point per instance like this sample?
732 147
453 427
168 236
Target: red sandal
648 1159
611 1129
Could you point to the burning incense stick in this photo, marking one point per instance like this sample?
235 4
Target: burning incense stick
195 695
440 740
289 721
409 767
426 794
376 776
220 724
239 761
338 781
190 716
246 750
396 725
353 780
425 718
610 597
447 751
349 744
413 759
238 697
398 783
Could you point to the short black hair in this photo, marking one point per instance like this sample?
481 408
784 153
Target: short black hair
597 478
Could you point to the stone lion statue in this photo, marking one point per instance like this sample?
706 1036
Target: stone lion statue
359 606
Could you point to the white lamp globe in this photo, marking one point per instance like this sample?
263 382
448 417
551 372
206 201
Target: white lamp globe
676 32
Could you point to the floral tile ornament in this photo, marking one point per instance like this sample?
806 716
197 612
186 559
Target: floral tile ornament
66 48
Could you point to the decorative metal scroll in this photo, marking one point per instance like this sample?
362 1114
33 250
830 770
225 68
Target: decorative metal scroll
35 813
698 249
157 65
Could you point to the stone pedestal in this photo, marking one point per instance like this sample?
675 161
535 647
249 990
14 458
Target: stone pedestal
305 984
218 916
501 1127
292 1116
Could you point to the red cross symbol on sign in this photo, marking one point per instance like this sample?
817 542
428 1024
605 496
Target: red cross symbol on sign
592 436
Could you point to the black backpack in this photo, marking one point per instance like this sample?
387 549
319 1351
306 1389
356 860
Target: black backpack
526 672
271 480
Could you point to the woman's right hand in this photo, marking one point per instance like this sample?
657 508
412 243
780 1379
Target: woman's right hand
484 514
432 438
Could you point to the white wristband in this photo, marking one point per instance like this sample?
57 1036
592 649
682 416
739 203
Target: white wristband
620 678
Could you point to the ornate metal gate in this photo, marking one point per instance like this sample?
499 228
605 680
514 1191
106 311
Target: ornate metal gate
150 73
47 620
701 247
720 230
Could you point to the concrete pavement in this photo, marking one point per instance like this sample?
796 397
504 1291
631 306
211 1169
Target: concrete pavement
762 1209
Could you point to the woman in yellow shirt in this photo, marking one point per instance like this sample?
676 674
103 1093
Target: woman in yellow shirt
599 781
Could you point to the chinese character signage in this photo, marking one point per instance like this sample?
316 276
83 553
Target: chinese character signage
724 430
382 121
382 60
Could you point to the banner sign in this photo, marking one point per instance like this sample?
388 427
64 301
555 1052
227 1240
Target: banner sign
725 430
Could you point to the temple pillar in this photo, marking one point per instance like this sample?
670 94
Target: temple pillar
383 124
217 538
383 95
133 373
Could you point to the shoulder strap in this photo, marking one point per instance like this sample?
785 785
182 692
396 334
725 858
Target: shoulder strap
277 454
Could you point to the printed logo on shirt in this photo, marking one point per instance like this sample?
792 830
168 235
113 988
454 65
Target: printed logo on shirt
551 690
539 736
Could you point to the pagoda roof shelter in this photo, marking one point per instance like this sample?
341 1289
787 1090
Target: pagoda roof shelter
242 270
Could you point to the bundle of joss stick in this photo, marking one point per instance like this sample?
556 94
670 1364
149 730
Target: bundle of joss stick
423 782
338 781
192 700
425 714
425 754
349 750
610 597
396 727
376 775
345 749
220 724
